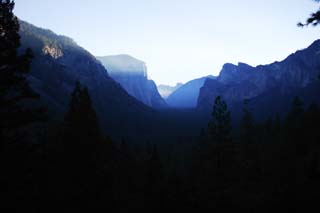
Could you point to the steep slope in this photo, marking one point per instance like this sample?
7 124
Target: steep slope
166 90
295 75
187 95
132 75
59 62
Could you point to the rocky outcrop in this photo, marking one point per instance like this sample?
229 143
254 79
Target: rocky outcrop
132 75
54 52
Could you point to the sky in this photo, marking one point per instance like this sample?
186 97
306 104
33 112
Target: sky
179 40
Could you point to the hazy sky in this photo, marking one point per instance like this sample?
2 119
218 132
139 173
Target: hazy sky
179 39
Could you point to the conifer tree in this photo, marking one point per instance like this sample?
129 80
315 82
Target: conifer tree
20 172
81 123
313 20
219 128
220 160
14 87
80 145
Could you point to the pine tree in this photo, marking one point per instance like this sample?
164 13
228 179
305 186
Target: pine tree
14 88
219 128
220 159
80 146
81 123
20 172
313 20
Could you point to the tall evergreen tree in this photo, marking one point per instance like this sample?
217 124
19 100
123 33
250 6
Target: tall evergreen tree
20 172
14 88
217 161
80 147
81 133
219 128
81 123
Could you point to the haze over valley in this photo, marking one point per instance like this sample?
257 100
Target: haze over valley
157 106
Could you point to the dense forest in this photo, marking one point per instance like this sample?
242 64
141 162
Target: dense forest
73 166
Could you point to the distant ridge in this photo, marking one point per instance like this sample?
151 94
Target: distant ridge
296 75
166 90
187 95
59 62
132 75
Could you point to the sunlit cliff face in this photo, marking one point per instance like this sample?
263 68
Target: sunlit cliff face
54 52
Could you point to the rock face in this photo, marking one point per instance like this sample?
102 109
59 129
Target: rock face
295 75
187 95
59 62
166 90
132 75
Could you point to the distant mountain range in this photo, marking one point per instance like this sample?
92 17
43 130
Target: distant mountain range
186 96
124 97
132 75
59 62
269 88
166 90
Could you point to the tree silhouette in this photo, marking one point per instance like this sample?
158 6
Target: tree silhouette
313 20
80 147
14 88
81 123
216 161
219 128
21 160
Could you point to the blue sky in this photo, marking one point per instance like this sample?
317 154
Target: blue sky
179 39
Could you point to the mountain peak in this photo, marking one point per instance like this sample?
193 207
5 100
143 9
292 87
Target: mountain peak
124 65
131 74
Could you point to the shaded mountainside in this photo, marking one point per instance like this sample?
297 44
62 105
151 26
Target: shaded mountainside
166 90
270 88
59 62
187 95
132 75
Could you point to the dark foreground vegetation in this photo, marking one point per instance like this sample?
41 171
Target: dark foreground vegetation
258 167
